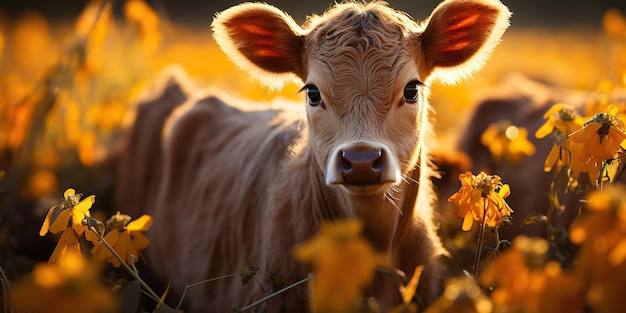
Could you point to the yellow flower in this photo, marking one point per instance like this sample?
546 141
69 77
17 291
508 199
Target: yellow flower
602 99
71 285
524 283
562 120
141 15
614 24
508 142
125 237
601 262
72 208
481 198
559 155
95 34
600 139
461 295
504 272
605 225
343 264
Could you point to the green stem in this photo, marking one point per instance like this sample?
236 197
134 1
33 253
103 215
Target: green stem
549 217
132 273
254 304
481 237
497 237
600 179
180 302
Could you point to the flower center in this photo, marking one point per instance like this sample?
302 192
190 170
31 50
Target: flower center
485 183
70 201
566 114
118 221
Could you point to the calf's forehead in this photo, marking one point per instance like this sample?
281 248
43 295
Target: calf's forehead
357 51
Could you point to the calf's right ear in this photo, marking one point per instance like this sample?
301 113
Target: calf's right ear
262 40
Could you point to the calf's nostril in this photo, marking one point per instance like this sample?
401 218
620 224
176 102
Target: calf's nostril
379 163
346 164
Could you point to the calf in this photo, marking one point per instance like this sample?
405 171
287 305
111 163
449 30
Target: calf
237 188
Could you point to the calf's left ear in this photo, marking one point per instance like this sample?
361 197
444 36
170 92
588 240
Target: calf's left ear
460 36
262 40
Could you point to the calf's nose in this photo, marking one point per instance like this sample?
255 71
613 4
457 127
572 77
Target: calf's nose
362 165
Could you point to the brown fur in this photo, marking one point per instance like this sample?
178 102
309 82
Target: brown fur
242 188
139 164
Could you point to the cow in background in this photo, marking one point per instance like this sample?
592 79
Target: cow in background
523 102
231 188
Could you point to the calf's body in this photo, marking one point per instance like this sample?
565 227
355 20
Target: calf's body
238 188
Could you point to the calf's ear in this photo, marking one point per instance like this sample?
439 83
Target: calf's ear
262 40
460 36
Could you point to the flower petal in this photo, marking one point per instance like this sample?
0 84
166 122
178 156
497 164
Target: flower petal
545 129
586 133
84 205
618 254
46 222
505 191
140 241
553 109
60 223
143 223
89 235
468 221
66 243
69 192
130 249
552 158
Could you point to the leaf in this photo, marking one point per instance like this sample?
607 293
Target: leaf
161 307
610 170
535 218
398 276
128 295
561 180
408 291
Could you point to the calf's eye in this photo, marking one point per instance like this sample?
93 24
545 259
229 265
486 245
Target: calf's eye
411 91
313 95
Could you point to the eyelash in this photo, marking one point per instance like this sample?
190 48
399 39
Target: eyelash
314 97
411 91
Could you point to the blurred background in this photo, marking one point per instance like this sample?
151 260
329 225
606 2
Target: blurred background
71 70
551 13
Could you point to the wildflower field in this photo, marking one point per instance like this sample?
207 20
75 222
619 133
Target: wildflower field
67 90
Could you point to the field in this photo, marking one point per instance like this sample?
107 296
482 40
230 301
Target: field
67 90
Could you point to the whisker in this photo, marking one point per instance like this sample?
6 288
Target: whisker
391 196
409 179
393 202
394 189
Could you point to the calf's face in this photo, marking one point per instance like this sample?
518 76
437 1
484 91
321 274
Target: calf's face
362 88
365 69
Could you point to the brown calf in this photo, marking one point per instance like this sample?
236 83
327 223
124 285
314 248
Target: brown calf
232 188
